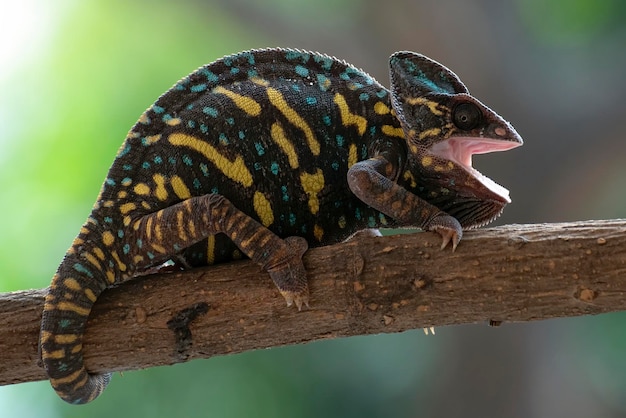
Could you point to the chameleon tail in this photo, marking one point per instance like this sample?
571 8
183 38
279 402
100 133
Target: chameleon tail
73 291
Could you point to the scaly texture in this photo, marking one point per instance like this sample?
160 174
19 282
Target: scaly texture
262 154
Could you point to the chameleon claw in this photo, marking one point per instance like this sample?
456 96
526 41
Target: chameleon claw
431 329
299 298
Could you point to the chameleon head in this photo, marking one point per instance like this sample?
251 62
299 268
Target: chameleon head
444 126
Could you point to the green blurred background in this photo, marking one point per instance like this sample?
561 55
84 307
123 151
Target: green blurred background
75 76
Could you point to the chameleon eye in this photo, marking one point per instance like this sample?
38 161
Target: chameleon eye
466 116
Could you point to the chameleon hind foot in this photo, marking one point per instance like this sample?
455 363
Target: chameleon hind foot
449 229
287 271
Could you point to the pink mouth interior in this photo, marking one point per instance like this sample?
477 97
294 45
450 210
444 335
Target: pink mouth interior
460 150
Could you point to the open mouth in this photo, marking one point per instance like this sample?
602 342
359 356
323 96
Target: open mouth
459 150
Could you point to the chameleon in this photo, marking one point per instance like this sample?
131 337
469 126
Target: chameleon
263 154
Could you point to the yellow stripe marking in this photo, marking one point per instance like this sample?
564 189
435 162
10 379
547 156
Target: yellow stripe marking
116 257
260 81
277 99
318 232
110 276
76 348
278 136
312 184
122 194
347 117
392 131
142 189
108 238
429 132
245 103
427 160
180 188
160 191
180 224
67 379
191 226
352 157
127 207
381 108
263 208
72 284
210 249
90 295
234 170
99 253
149 140
420 101
173 122
65 338
57 354
69 306
158 248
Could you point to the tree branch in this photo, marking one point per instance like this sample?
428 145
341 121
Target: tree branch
365 286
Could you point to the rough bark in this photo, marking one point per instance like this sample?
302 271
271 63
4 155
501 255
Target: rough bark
365 286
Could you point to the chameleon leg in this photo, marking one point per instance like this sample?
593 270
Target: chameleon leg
369 182
170 230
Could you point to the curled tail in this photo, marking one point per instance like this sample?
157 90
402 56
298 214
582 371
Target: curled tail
73 291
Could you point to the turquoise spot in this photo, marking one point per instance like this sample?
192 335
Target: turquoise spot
145 165
293 55
302 71
190 106
296 87
205 169
210 76
323 82
228 61
230 121
124 150
344 76
275 168
171 160
259 148
223 138
126 248
126 181
176 247
167 117
371 222
339 140
187 160
311 101
250 57
327 120
157 109
364 96
196 184
252 74
372 130
325 62
120 233
303 228
215 190
110 182
191 124
158 159
211 111
108 219
242 134
139 243
292 219
203 128
234 70
82 269
285 194
357 214
180 87
150 255
127 167
357 86
381 93
198 88
257 166
335 165
64 323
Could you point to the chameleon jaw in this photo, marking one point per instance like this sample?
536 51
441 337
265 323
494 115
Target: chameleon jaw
459 150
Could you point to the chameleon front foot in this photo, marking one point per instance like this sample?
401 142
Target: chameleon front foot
288 272
449 229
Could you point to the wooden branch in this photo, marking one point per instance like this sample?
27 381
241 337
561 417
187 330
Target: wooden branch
366 286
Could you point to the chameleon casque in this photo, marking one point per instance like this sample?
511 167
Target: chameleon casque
262 154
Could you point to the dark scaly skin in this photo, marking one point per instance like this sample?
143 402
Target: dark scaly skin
263 154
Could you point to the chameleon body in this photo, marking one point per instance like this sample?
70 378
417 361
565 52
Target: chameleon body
262 154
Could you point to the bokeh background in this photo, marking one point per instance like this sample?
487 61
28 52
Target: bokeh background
75 75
